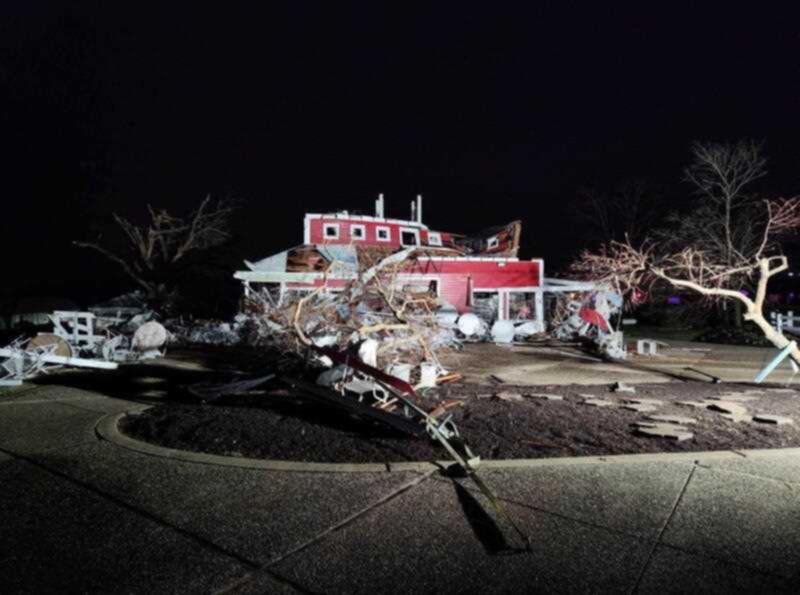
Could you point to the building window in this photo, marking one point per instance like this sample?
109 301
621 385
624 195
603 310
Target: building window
331 231
409 237
358 232
421 287
493 242
383 234
434 239
486 305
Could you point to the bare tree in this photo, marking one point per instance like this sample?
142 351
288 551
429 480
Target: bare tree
154 250
632 269
720 223
721 173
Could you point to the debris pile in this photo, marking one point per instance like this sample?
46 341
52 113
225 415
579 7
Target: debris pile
87 340
590 320
384 322
205 332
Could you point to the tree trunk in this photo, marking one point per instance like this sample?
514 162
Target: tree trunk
738 314
779 340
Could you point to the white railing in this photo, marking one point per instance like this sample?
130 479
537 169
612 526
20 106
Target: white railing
785 321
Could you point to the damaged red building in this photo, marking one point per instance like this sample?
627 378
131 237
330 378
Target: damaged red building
481 273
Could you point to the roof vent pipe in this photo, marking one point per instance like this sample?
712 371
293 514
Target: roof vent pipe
379 206
413 210
419 208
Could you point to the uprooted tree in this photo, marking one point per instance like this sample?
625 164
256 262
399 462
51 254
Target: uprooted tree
151 254
713 275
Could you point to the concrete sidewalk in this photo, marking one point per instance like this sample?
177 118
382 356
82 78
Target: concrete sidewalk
81 514
542 365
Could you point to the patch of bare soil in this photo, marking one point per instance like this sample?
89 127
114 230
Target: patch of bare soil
288 428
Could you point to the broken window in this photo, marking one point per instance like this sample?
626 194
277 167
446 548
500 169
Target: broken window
486 305
522 305
383 234
429 287
331 231
409 237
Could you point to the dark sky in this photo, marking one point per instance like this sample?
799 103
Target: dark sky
491 113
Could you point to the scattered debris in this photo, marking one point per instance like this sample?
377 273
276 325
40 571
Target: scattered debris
23 362
545 396
672 419
589 320
727 407
639 407
669 431
598 403
714 379
737 417
734 398
85 340
503 331
693 404
644 401
649 346
778 420
619 387
505 396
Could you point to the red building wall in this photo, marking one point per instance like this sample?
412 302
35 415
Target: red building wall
316 235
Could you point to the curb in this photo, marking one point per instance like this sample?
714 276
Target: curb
107 429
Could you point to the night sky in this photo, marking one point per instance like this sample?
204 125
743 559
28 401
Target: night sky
493 114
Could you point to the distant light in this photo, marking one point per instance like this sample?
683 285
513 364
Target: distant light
674 300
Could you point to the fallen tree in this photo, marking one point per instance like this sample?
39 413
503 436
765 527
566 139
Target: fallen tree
634 270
